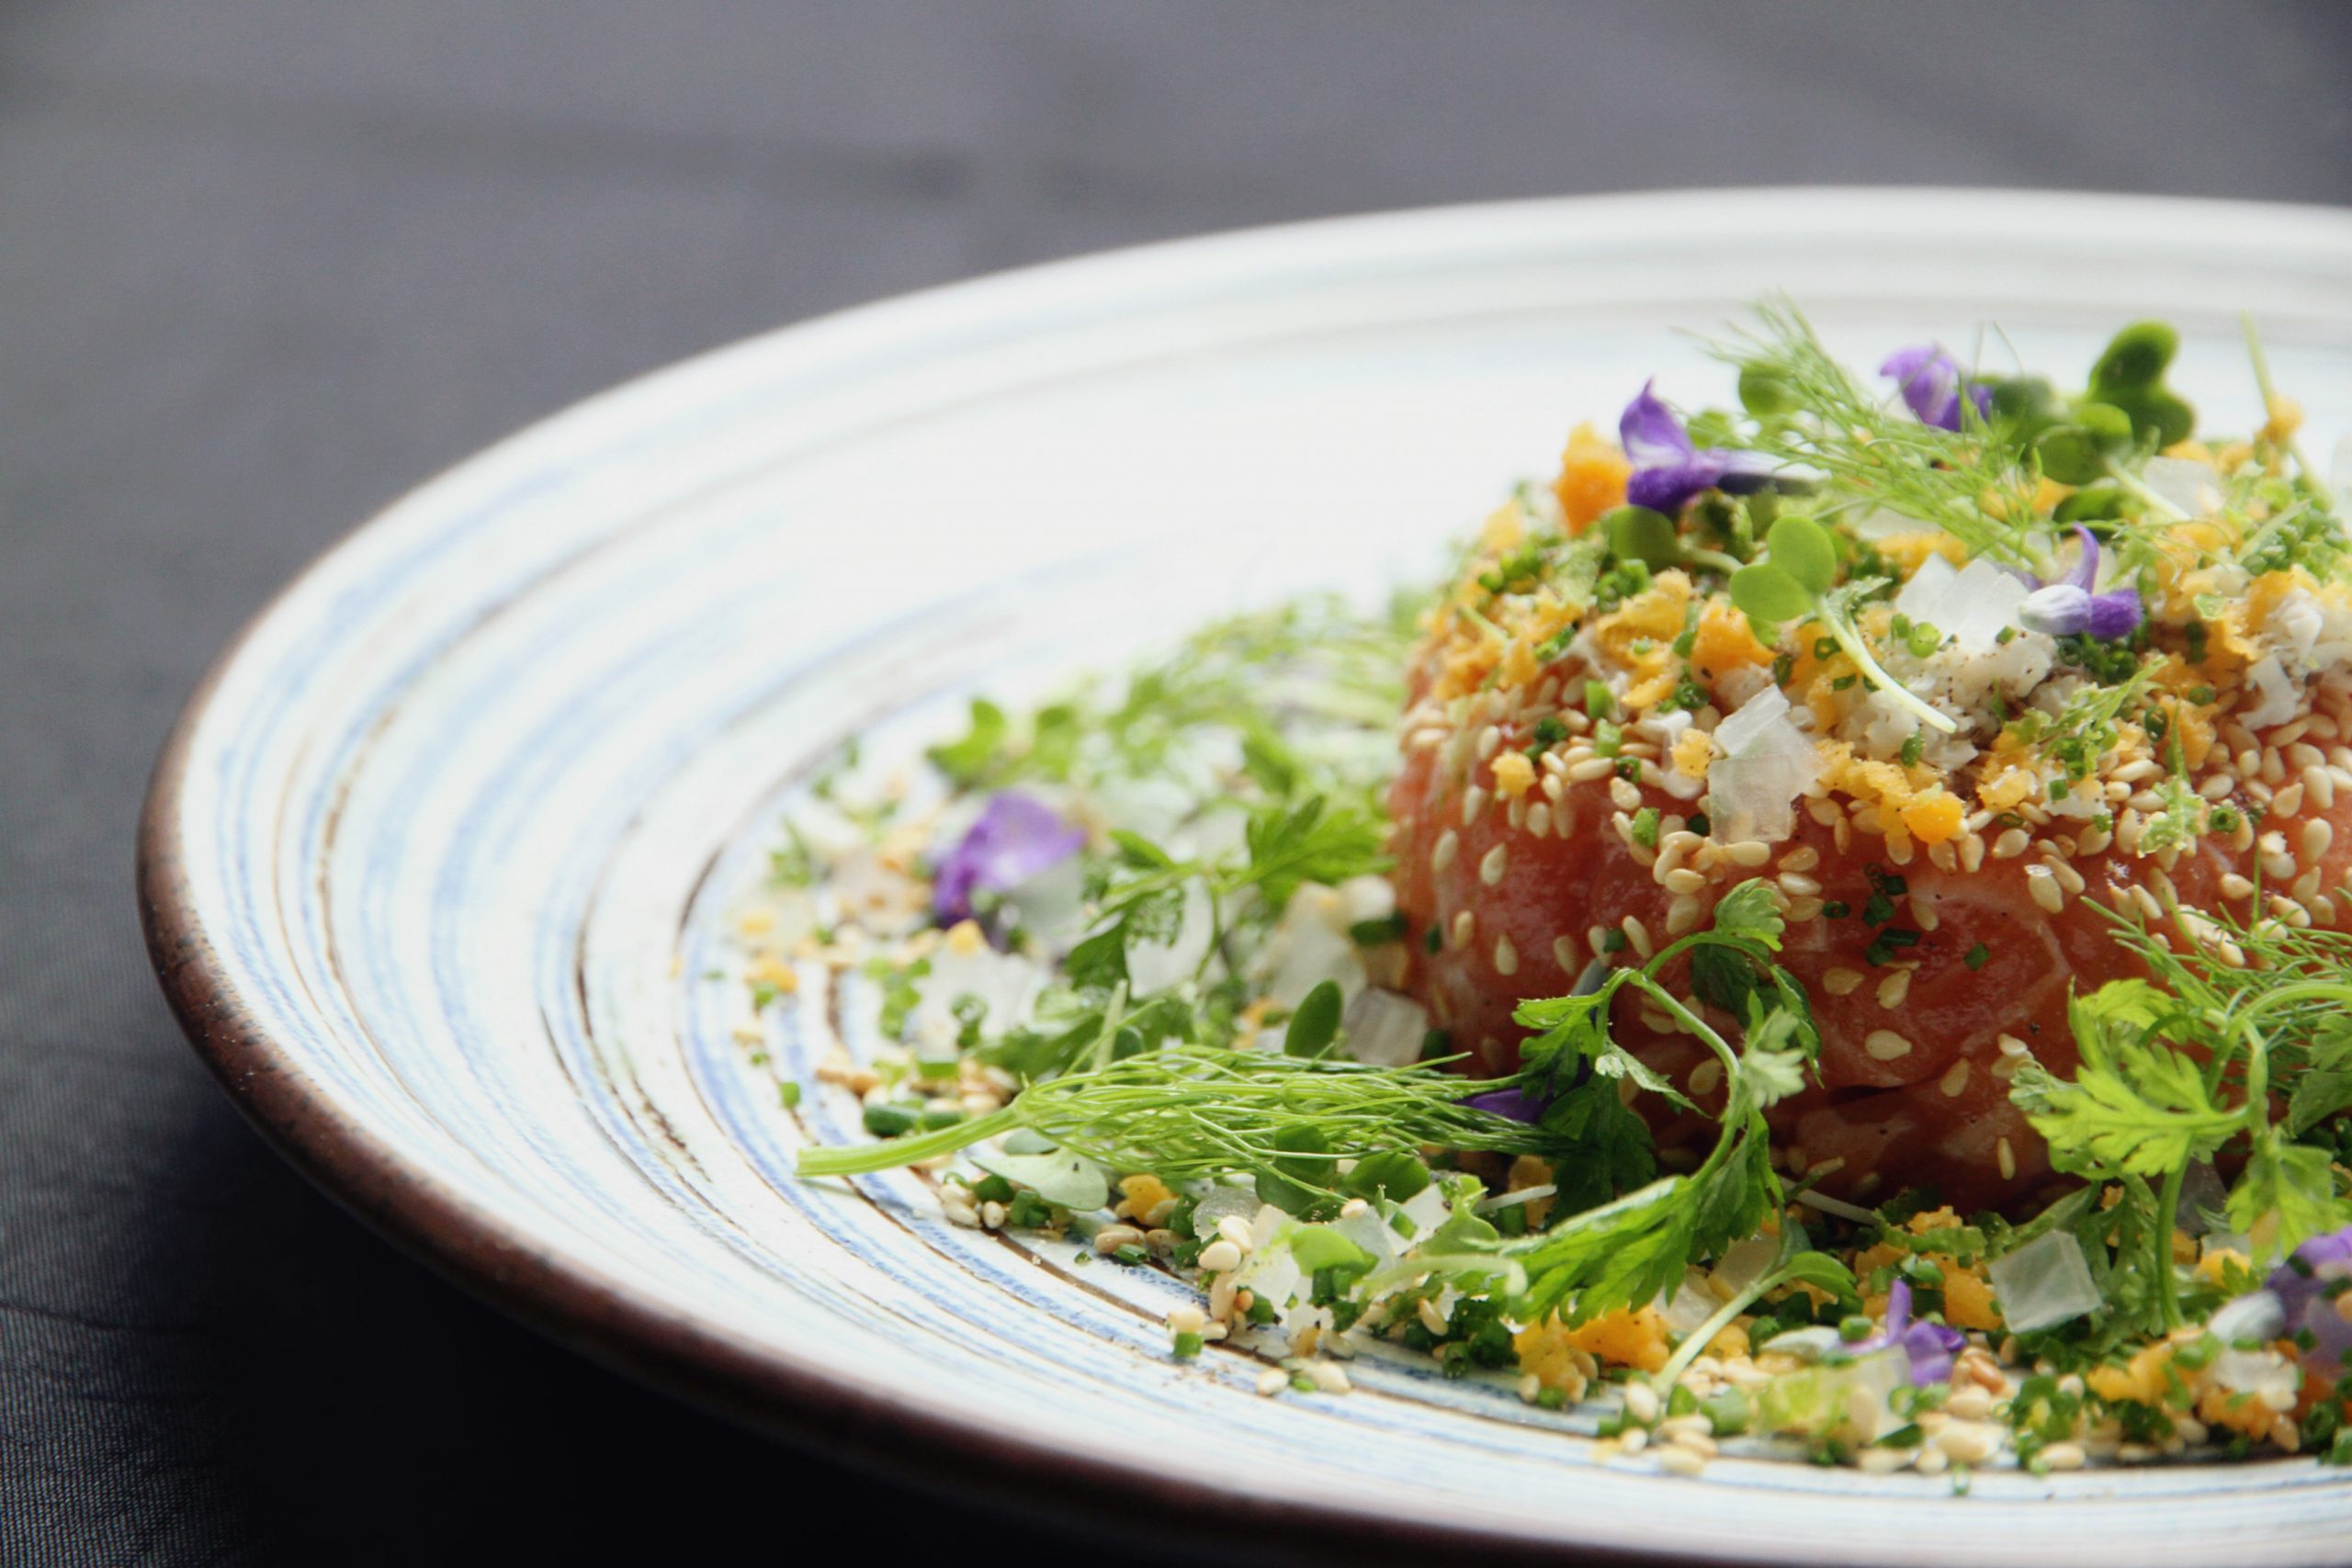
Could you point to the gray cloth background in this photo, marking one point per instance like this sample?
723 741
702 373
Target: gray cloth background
266 263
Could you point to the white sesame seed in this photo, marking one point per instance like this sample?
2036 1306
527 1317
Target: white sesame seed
1441 853
1706 1076
1676 1458
1798 885
1750 853
1328 1376
1893 990
1842 982
1109 1238
1539 820
1638 934
2045 889
1682 914
2320 787
1954 1083
1885 1045
1596 938
1491 868
1623 792
1972 853
1490 739
1641 1403
1465 926
1272 1381
1473 800
2318 835
1220 1256
1592 768
1971 1403
1506 956
1236 1229
2010 844
1684 881
2007 1158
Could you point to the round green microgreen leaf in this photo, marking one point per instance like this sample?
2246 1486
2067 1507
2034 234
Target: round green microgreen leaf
2129 376
1764 391
1392 1174
1804 550
1316 1023
2136 356
1285 1186
1636 532
2076 453
1765 592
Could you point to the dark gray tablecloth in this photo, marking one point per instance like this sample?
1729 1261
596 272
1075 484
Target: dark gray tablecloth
265 264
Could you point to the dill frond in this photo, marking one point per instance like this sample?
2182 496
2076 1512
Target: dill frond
1871 456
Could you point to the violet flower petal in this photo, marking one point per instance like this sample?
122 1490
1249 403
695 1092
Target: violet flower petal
1668 471
1513 1104
1930 382
2301 1285
1929 1346
2085 573
2068 606
1014 838
2114 615
1652 437
2061 609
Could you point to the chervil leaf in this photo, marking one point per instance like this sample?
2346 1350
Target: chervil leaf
979 755
1750 909
1315 842
2136 1105
2324 1088
2287 1194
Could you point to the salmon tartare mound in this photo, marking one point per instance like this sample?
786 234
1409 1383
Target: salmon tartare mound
1967 689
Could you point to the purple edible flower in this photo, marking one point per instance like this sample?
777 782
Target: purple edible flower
1930 1346
1667 469
2068 606
1514 1104
2303 1285
1931 380
1014 838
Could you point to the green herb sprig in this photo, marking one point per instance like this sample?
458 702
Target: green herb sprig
1797 578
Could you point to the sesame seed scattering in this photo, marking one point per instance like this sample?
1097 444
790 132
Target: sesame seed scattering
1827 932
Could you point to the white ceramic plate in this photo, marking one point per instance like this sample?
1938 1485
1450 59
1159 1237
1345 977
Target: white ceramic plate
438 860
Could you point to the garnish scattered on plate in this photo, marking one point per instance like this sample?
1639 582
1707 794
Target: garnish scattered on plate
1823 930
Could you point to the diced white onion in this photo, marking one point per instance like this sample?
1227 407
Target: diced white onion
1739 731
1241 1203
2279 697
1752 789
1386 1029
2186 483
1425 1209
1690 1305
1805 1344
1972 605
2258 1316
2042 1283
